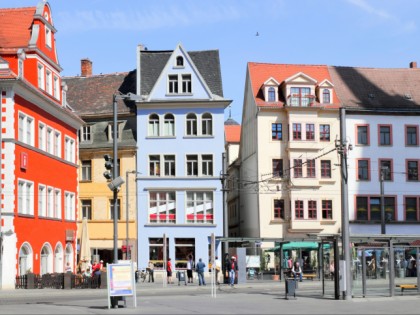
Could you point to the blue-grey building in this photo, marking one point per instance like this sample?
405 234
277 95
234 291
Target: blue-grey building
180 138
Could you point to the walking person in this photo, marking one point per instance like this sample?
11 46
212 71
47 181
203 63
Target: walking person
218 264
190 268
169 271
200 271
226 263
233 268
150 269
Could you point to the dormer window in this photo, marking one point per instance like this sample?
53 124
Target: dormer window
270 88
48 37
179 61
326 96
271 94
300 96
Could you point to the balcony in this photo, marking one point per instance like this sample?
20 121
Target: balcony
298 100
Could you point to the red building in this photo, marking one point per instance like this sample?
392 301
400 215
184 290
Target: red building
38 152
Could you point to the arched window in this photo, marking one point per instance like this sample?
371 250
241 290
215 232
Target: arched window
169 125
46 260
271 94
206 124
153 125
179 61
326 96
25 260
191 124
58 259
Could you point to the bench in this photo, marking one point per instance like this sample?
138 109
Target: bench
406 287
309 276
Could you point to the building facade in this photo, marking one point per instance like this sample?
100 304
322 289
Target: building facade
180 135
289 182
38 145
382 108
91 97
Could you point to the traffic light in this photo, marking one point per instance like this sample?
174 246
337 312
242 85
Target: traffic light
108 165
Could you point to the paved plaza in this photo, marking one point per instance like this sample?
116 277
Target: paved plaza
253 297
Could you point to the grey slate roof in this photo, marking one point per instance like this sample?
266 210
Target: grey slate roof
377 88
207 63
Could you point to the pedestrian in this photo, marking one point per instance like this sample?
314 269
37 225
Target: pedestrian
190 268
200 272
233 268
150 269
96 272
226 263
169 271
297 271
68 267
218 264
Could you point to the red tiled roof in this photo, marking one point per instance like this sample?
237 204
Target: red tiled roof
233 133
15 27
261 72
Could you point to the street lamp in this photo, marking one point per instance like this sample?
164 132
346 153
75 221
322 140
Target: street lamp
342 148
383 171
128 251
115 98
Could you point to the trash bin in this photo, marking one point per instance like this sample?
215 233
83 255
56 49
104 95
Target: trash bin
290 288
181 277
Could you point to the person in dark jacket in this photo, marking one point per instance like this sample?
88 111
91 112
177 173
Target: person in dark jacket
233 268
200 271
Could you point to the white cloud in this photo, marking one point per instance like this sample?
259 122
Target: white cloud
370 9
153 17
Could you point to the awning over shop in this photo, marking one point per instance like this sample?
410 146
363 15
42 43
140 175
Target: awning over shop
298 245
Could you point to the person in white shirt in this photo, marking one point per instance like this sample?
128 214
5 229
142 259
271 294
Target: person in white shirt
218 264
297 271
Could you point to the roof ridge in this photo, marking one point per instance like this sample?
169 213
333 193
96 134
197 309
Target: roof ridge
97 75
18 9
287 64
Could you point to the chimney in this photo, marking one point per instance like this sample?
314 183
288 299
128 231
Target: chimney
413 64
86 65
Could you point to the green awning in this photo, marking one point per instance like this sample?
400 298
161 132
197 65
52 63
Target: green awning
298 245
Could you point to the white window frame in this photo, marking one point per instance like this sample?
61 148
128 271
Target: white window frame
164 206
56 86
57 143
186 83
48 82
206 164
42 136
50 140
195 206
153 125
167 165
25 197
26 132
169 125
173 84
190 163
41 76
50 202
57 203
42 200
69 206
206 124
156 170
48 37
69 149
191 125
85 133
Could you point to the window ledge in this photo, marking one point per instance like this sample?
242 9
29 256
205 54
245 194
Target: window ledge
328 222
198 137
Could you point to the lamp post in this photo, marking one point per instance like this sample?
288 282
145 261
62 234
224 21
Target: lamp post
382 178
115 188
342 149
128 251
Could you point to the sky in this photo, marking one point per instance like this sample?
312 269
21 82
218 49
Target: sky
355 33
